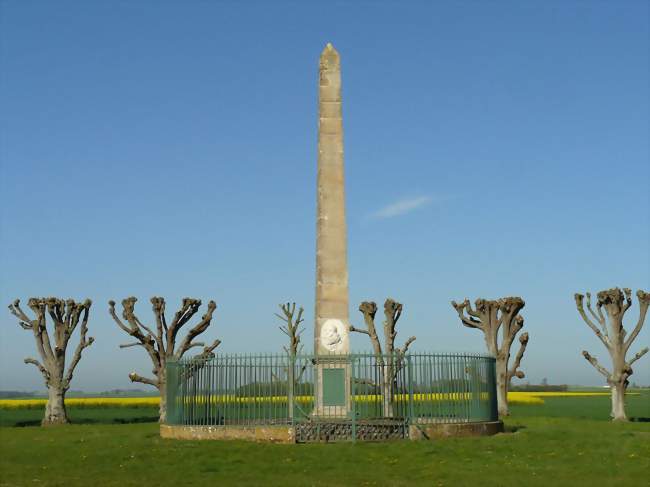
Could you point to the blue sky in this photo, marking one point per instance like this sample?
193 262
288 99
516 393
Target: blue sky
169 148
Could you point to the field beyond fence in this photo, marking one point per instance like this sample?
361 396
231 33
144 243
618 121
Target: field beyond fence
514 398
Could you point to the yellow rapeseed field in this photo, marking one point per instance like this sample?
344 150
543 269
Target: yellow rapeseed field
84 402
524 398
569 394
535 398
148 402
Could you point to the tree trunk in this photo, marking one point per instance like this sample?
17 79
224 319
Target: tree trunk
291 383
618 379
618 401
162 410
55 412
502 386
387 392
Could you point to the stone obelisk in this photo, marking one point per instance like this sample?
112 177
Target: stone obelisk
331 333
332 307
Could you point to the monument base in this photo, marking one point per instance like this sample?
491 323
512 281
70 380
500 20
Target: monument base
333 378
262 433
429 431
366 430
332 431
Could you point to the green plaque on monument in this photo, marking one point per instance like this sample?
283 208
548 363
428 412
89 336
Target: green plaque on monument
334 387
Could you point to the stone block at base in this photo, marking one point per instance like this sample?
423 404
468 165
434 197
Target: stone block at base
268 433
287 433
428 431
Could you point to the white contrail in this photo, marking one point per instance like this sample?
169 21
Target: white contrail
402 206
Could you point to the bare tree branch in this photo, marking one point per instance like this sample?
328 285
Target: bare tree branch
600 318
148 342
291 328
470 321
644 302
43 370
136 327
143 380
18 312
616 303
39 308
359 330
523 340
196 330
83 341
111 310
638 355
593 361
369 310
25 326
628 299
402 351
189 308
158 306
207 351
579 298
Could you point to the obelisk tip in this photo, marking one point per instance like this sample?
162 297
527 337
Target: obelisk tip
330 56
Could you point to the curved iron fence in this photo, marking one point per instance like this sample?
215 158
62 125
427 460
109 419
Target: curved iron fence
254 389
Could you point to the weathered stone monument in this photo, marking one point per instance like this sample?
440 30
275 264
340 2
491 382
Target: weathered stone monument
331 331
332 313
332 394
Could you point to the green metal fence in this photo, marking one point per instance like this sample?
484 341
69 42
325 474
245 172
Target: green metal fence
254 389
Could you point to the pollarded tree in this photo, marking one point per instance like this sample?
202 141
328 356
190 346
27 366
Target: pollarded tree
490 316
160 344
615 339
291 328
65 315
389 359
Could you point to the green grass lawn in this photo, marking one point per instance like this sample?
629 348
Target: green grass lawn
33 417
637 407
563 443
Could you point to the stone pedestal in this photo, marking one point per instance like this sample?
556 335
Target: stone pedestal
333 379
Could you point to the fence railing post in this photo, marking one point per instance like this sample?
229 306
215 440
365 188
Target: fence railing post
171 391
353 408
409 369
290 386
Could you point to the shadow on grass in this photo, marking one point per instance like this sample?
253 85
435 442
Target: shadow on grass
640 420
513 428
143 419
21 424
33 417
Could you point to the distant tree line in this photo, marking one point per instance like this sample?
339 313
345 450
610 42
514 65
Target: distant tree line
539 388
16 394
